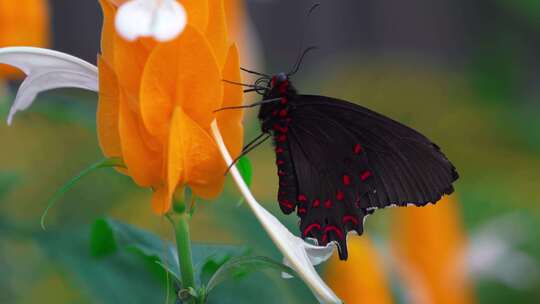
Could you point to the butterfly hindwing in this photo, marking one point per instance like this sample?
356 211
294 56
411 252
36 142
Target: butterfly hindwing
338 162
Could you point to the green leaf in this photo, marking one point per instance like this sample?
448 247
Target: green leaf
241 266
121 277
162 253
105 163
102 242
246 170
156 253
211 265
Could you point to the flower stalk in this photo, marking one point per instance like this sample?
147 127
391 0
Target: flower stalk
183 246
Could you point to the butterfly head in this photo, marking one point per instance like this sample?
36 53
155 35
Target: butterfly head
279 85
279 79
274 86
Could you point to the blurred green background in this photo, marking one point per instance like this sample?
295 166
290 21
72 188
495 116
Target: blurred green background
465 73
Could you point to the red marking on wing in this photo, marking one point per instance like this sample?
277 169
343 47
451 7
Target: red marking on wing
316 203
280 162
302 198
302 210
282 138
365 175
328 204
284 100
280 150
350 218
287 203
311 227
281 129
283 113
357 149
340 195
346 180
334 229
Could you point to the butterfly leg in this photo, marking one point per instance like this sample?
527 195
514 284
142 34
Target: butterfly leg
252 145
249 105
253 141
255 73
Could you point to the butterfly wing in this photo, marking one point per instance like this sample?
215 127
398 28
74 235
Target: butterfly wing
345 161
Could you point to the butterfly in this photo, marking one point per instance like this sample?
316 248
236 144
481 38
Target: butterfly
338 162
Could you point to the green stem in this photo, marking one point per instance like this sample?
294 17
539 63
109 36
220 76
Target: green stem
183 245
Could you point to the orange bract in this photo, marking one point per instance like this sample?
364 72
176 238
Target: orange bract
23 23
361 279
430 245
157 101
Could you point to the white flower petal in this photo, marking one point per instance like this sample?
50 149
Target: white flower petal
298 254
161 19
494 252
46 70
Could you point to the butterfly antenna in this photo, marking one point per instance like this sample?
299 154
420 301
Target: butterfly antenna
300 59
300 53
242 84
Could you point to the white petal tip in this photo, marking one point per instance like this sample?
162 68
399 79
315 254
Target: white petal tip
286 276
163 20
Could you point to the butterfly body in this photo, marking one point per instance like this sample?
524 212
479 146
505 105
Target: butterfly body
338 162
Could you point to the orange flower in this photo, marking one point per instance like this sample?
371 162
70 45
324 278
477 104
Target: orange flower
429 248
361 279
156 103
22 22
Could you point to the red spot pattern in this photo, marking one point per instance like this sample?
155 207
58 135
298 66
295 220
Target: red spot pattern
316 203
311 227
328 204
335 229
365 175
350 218
280 162
283 113
302 210
283 100
281 129
302 198
279 150
286 203
281 138
346 180
284 86
340 195
357 149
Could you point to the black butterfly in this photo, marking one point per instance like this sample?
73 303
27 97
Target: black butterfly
338 162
